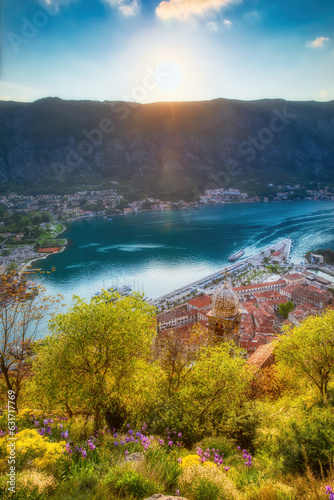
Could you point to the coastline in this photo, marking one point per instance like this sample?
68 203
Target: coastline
43 256
66 225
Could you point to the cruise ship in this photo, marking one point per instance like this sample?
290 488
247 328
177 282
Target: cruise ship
236 255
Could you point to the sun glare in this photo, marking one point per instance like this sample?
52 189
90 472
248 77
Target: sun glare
168 75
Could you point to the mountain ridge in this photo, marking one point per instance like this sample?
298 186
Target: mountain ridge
166 149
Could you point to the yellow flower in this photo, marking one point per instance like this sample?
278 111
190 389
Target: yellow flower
190 460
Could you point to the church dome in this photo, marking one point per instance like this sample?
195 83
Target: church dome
225 302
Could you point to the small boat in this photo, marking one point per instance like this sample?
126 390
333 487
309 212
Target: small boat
109 219
236 255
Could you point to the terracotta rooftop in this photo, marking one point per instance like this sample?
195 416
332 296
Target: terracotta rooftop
294 276
263 356
200 302
173 314
260 285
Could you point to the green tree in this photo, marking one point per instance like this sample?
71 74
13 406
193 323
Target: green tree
177 354
309 349
89 362
285 309
217 387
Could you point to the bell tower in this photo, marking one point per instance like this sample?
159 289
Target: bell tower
225 316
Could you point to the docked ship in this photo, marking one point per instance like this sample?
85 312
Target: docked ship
236 255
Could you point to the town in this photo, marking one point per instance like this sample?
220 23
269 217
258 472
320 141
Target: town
23 240
269 291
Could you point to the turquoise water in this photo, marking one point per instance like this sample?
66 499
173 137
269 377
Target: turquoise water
156 252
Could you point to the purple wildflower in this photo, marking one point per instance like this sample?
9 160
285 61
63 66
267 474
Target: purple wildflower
330 492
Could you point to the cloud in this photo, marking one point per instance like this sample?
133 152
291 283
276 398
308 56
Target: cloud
126 7
253 16
184 10
318 43
212 26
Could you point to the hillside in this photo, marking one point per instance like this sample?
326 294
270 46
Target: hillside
165 149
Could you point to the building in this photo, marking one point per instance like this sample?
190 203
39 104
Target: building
244 293
311 295
302 312
294 279
288 291
225 316
277 256
317 259
199 302
173 318
318 281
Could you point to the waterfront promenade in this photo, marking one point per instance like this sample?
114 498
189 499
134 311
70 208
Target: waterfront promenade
209 283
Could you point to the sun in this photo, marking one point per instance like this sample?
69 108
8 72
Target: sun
168 75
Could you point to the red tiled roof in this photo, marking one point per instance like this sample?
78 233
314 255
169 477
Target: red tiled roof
263 356
260 285
294 276
200 302
170 315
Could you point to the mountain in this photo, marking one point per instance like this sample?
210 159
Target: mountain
167 149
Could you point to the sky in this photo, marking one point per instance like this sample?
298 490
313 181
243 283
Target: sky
167 50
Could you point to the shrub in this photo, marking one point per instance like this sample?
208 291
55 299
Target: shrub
30 485
125 482
206 490
270 491
301 439
32 449
164 467
196 479
191 460
226 446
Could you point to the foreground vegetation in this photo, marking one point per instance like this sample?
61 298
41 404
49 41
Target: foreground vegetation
105 411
